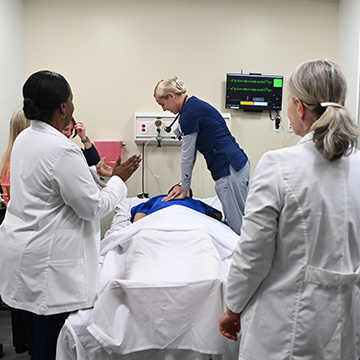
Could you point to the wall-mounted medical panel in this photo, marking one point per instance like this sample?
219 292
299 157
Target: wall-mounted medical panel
150 127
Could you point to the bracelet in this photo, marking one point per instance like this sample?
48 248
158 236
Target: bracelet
179 183
85 140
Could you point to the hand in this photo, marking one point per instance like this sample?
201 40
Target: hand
103 169
175 194
125 170
80 129
139 216
229 324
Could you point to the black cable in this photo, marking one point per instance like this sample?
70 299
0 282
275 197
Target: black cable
277 115
143 194
276 118
168 128
143 170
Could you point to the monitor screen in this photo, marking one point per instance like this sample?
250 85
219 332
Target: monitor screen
253 92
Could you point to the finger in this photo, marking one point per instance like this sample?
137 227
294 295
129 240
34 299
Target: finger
135 158
229 334
132 166
130 160
135 163
118 161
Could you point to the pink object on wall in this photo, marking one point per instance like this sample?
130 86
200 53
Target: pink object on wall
110 149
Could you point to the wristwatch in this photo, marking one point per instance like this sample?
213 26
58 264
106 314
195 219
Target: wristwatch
85 140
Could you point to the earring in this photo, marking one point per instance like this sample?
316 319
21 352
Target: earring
63 115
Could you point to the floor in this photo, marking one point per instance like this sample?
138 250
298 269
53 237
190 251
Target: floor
6 338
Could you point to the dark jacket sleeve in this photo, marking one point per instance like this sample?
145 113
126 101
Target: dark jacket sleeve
91 155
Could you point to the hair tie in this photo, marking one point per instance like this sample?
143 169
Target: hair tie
333 104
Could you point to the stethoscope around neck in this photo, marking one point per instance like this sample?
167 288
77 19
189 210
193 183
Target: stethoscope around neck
168 128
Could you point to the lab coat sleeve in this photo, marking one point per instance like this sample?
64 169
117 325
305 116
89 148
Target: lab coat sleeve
188 157
74 183
256 247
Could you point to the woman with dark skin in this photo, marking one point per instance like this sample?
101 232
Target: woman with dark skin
50 237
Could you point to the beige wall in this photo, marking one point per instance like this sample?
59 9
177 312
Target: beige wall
11 64
113 52
348 52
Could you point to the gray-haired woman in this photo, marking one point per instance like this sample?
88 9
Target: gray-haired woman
295 275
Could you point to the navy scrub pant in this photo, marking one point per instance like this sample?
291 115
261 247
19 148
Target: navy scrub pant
43 332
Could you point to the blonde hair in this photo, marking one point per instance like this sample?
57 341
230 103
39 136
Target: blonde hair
18 123
321 86
166 86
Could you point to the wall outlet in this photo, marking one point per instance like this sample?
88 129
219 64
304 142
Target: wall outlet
147 126
143 128
290 129
277 124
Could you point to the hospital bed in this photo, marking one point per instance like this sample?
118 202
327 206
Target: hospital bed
161 290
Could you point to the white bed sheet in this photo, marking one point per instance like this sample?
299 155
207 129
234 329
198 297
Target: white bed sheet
160 292
122 214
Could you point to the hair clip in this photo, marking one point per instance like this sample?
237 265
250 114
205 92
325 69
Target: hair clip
180 83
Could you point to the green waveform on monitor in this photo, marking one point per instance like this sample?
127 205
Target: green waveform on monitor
265 89
276 83
265 81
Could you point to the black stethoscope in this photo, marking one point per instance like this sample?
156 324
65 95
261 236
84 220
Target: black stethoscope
168 128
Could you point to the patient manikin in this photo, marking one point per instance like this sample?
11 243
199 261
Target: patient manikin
155 203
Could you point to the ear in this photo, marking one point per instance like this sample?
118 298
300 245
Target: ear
62 108
171 96
301 109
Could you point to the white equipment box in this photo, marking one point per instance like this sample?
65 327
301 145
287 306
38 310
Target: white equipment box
150 126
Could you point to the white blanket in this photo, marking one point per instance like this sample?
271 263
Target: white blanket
160 290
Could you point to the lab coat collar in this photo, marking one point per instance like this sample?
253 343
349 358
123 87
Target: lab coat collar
38 125
306 137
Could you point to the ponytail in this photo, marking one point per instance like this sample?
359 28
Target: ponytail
321 86
335 133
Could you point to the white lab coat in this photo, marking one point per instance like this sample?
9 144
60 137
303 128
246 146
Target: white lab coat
296 269
50 238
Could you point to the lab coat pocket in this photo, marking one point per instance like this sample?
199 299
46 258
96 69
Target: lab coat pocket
330 278
66 244
66 282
